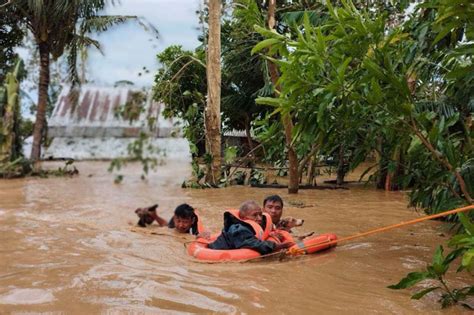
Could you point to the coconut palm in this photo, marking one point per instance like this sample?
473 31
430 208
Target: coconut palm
60 27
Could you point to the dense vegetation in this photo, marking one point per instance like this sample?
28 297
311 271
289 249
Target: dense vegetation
358 79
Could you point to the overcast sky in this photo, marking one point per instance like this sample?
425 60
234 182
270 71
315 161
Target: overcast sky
128 48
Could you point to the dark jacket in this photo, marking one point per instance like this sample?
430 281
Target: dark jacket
238 234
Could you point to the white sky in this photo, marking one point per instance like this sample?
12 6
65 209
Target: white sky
128 48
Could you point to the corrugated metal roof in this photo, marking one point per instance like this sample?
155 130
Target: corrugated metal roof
94 113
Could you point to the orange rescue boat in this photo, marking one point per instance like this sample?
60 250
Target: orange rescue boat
199 249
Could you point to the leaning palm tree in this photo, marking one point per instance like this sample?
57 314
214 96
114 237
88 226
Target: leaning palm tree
59 27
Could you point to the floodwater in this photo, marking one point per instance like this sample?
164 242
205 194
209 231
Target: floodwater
67 246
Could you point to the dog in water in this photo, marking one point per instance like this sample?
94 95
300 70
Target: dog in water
146 215
288 223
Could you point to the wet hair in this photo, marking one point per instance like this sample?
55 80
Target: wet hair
184 211
273 198
248 205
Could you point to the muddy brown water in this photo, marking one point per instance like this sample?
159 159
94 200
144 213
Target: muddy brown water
67 246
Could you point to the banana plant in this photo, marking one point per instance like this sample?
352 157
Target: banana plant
10 142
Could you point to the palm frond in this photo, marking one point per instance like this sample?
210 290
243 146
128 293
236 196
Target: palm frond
102 23
148 26
441 108
82 41
73 75
36 7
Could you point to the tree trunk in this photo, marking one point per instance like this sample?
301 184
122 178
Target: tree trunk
286 118
311 174
212 112
42 102
341 172
380 159
390 181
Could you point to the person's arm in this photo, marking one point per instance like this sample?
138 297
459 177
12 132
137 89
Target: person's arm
243 237
160 220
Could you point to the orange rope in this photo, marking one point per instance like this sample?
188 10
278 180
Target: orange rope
297 251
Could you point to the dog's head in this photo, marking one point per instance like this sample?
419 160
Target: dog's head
288 223
147 215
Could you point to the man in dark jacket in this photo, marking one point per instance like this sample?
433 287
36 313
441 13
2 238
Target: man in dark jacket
239 234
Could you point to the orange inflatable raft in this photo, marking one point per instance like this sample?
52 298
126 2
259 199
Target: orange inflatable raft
199 249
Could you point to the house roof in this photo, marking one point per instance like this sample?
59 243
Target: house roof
95 113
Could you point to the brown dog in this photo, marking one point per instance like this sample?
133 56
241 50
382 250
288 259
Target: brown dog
147 215
288 223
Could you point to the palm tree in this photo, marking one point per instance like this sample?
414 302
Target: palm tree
60 26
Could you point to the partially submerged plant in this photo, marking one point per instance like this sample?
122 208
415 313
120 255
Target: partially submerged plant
462 246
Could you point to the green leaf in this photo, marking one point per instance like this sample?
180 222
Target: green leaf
230 153
376 91
321 112
438 256
277 102
374 69
341 70
410 280
406 108
463 240
268 33
460 72
445 31
467 260
453 255
468 226
264 44
422 293
440 265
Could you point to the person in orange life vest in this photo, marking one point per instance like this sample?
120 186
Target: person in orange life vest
184 220
243 229
273 205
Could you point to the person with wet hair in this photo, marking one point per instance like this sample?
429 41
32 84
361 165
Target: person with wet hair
248 228
273 205
184 220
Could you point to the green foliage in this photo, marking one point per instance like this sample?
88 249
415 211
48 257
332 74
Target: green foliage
16 168
230 154
357 83
11 140
11 36
244 74
257 177
139 150
132 109
463 246
180 84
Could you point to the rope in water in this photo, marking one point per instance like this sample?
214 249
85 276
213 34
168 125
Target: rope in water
299 251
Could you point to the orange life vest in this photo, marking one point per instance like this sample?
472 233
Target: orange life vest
200 226
261 233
